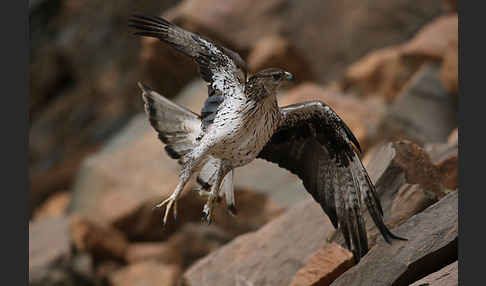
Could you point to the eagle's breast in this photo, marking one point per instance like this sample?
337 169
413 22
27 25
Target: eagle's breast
243 128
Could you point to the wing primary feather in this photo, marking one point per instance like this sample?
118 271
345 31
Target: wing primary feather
356 241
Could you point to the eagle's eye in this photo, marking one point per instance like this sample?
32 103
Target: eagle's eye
276 77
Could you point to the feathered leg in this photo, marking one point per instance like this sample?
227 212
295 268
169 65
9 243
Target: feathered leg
207 178
191 163
215 188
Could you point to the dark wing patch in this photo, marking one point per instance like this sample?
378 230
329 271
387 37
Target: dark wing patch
223 69
315 144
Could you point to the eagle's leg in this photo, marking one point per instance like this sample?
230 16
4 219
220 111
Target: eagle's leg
192 162
213 195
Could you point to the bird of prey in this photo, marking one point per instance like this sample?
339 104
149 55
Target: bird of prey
241 121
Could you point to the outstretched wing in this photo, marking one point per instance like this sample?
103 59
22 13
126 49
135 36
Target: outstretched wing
316 145
222 68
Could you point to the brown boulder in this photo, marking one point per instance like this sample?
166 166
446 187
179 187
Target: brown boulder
453 137
327 264
105 268
276 51
434 38
146 274
451 5
432 244
103 242
56 205
386 71
145 223
449 170
447 276
446 157
423 112
449 71
159 251
361 116
381 73
49 248
196 240
270 256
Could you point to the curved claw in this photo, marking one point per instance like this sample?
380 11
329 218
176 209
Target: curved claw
208 209
206 215
169 201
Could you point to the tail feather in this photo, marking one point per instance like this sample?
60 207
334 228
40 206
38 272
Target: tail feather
228 191
177 126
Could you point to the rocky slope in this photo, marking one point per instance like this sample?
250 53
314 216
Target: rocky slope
390 69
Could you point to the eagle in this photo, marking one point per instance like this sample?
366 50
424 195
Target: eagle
241 121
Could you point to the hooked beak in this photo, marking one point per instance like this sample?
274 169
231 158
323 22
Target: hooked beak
289 76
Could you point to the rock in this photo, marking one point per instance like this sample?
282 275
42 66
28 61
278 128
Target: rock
270 256
56 205
434 38
447 276
406 182
146 274
81 84
449 169
49 249
410 200
196 240
453 137
351 26
381 73
281 186
324 266
254 210
158 251
276 51
423 112
101 241
362 117
440 152
432 244
450 67
51 260
451 5
386 71
445 157
106 268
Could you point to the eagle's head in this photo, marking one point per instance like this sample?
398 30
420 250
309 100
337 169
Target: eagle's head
270 79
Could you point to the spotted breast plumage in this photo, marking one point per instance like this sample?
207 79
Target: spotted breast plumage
241 121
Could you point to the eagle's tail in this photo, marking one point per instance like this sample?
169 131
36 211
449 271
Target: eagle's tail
177 126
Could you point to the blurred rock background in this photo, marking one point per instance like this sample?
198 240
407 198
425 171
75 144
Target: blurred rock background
389 68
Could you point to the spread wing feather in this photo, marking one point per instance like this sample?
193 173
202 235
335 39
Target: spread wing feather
223 69
177 126
316 145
